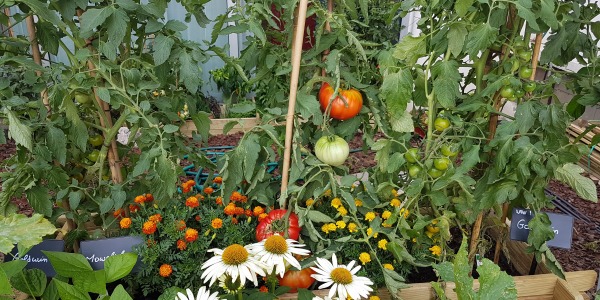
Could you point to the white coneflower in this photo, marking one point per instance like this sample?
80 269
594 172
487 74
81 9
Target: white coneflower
234 261
203 294
276 251
342 279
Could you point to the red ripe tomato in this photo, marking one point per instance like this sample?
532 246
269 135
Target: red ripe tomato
274 223
297 279
346 105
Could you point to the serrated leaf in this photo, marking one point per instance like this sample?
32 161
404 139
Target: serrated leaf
69 292
31 282
68 264
162 48
411 48
525 116
170 128
524 11
18 131
19 229
118 266
571 175
57 143
104 94
480 38
456 38
39 199
175 25
48 37
116 26
547 13
402 122
309 108
93 18
258 31
396 91
462 269
393 281
189 72
494 283
446 82
462 6
42 11
127 4
202 122
166 180
75 198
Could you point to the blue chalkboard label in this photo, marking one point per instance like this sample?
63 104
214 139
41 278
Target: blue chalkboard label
562 225
97 251
36 259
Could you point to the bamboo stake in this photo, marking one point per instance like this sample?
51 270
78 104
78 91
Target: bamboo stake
37 56
106 122
536 54
289 122
11 32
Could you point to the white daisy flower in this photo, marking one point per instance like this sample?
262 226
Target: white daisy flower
275 251
234 261
342 279
203 294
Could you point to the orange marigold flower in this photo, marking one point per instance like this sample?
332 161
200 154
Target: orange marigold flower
165 270
236 197
217 223
248 213
186 188
218 180
197 218
219 200
149 227
181 245
192 202
181 225
208 190
191 235
263 289
149 198
258 210
156 218
239 210
262 216
234 220
119 213
200 197
230 209
140 199
244 199
125 223
133 208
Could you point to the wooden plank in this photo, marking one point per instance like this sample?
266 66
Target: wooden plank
564 291
217 125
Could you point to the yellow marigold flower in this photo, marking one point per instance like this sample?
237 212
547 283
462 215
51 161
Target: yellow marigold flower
336 202
386 214
369 231
219 200
310 202
165 270
358 202
394 192
430 234
364 258
370 216
374 298
149 227
229 209
342 211
382 244
262 216
156 218
388 266
208 190
352 227
181 245
325 228
332 227
414 240
258 210
340 224
395 202
406 213
327 193
125 223
216 223
436 250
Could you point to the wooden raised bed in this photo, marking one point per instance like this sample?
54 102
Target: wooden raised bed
543 287
217 125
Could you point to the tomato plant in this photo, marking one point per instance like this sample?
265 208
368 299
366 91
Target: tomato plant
525 72
297 279
507 92
441 124
529 86
412 155
332 150
275 223
447 150
346 105
96 140
441 163
414 171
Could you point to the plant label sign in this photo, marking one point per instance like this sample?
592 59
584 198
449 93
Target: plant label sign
562 225
36 259
97 251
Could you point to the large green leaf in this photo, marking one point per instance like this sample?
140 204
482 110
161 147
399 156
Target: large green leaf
25 231
480 38
162 48
19 131
202 122
39 199
57 143
446 82
93 18
31 282
68 264
91 281
120 294
118 266
494 283
584 186
411 48
5 288
69 292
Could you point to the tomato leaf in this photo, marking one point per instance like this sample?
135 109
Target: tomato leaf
93 18
40 200
162 49
18 131
446 82
57 143
462 6
524 11
456 38
480 38
402 122
547 13
494 283
410 48
571 175
309 108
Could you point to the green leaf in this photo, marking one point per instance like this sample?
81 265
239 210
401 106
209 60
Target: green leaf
258 31
18 131
309 108
31 282
118 266
127 4
462 6
494 283
93 18
5 288
92 282
393 281
48 37
402 122
189 72
116 26
74 199
69 292
571 175
202 122
540 231
39 199
57 143
42 11
162 48
456 38
480 38
396 91
166 180
104 94
170 128
319 217
547 14
68 264
446 82
410 48
120 294
12 267
19 229
462 269
175 25
524 11
51 292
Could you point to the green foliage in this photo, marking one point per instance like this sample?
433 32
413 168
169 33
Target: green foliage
23 230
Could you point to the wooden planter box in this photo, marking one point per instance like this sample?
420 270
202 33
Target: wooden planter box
217 125
543 287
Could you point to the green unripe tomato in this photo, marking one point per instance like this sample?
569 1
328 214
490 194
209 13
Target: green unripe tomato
435 173
441 163
507 92
414 171
83 98
524 55
93 156
529 87
412 155
519 93
447 151
441 124
96 140
525 72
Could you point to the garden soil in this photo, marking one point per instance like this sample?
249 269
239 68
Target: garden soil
583 255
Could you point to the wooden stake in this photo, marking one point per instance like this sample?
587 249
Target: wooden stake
536 54
37 56
289 122
11 32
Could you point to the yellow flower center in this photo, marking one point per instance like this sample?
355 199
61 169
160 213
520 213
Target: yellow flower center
276 244
235 255
341 276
